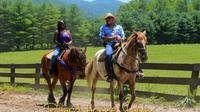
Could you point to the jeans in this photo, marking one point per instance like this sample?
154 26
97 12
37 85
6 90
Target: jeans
108 63
55 56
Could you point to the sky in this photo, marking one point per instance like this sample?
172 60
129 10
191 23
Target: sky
118 0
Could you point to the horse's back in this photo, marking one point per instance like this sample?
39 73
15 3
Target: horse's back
99 63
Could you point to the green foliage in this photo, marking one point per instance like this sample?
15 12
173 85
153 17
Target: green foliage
188 101
26 25
166 21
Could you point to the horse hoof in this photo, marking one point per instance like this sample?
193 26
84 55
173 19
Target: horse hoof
92 106
69 105
52 101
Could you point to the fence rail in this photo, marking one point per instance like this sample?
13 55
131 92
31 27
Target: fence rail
193 81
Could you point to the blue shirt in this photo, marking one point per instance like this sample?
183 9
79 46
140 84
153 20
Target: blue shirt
105 30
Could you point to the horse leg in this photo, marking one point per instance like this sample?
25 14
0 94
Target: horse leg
51 98
93 89
71 84
133 93
121 96
64 88
112 94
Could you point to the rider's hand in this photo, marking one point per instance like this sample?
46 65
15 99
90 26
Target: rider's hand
118 38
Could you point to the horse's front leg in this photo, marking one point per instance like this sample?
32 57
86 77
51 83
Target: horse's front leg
112 94
121 96
51 98
64 88
71 84
133 93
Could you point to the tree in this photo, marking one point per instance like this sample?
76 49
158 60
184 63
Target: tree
77 25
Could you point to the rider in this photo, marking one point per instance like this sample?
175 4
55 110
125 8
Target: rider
111 33
62 39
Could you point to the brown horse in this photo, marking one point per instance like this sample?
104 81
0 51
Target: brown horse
72 62
125 65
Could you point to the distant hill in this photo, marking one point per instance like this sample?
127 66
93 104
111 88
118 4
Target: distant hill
90 9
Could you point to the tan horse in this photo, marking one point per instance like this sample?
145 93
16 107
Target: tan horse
125 67
74 60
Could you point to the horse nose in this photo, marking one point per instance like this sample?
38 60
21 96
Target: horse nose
144 58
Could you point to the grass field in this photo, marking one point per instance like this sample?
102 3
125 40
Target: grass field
183 53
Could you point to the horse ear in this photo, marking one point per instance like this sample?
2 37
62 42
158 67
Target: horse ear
135 33
145 32
84 50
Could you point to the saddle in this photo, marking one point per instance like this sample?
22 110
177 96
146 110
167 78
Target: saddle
50 54
116 50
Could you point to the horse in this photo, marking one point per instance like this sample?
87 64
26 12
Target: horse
125 65
70 64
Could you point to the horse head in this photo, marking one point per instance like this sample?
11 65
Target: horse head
139 41
77 56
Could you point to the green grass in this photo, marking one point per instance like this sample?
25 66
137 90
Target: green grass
183 53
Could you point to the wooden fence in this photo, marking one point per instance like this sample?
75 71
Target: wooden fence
193 81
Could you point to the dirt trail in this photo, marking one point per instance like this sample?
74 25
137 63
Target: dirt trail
16 102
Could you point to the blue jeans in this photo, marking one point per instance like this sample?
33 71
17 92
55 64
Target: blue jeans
56 52
108 63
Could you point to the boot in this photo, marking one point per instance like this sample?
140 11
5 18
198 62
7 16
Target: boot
51 70
109 78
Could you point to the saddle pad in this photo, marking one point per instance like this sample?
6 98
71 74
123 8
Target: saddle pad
49 55
102 57
116 51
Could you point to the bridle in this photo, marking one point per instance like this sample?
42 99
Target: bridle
122 48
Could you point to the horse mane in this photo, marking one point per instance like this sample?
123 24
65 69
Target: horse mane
136 35
74 54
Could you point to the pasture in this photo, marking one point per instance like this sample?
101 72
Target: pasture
182 53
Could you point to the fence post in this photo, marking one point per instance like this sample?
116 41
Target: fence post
37 77
194 83
12 75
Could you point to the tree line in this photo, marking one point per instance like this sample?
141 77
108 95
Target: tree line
166 21
27 26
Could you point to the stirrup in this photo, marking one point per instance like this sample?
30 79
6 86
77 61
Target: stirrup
109 79
140 74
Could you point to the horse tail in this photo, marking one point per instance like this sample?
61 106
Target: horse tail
88 73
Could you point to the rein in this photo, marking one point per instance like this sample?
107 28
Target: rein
115 61
66 65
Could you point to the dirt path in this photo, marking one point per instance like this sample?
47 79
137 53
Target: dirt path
16 102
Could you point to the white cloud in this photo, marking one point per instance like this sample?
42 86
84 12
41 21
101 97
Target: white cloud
124 1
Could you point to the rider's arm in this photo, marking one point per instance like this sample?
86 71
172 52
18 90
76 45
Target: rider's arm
55 39
122 34
107 38
70 36
104 37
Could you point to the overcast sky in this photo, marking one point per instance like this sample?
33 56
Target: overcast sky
118 0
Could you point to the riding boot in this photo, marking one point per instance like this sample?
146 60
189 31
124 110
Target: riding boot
52 66
52 70
109 75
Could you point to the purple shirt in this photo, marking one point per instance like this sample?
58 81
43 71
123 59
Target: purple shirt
64 37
